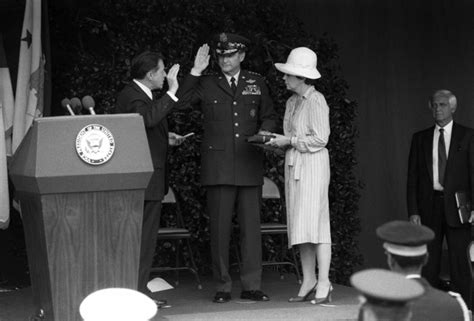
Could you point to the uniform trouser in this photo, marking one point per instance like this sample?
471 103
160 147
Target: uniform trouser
222 202
150 226
458 240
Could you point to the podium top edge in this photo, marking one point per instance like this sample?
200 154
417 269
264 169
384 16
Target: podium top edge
91 117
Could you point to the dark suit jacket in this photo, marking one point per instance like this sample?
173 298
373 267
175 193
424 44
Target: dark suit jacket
132 99
226 157
459 173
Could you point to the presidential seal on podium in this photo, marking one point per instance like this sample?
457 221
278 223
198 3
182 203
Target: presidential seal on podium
95 144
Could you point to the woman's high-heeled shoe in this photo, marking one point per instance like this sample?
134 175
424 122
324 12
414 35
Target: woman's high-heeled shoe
306 296
326 299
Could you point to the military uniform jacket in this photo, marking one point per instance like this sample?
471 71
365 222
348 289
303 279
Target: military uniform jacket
228 119
437 305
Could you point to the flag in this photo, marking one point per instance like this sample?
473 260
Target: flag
6 121
6 98
29 95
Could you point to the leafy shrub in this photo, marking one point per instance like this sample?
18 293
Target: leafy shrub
92 50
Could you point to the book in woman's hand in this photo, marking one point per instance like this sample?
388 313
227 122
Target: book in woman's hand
259 139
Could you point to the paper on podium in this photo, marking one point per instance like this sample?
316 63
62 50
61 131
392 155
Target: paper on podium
158 284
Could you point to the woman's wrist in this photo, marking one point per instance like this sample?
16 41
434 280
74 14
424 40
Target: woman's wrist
293 140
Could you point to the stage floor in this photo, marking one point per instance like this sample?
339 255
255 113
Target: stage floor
190 303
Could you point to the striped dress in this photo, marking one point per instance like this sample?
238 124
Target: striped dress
307 171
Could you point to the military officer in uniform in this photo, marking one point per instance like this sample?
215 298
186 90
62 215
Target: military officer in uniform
385 295
235 104
406 248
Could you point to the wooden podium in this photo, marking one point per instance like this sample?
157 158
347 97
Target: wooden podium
81 183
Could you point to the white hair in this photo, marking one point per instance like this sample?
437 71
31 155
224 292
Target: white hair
453 102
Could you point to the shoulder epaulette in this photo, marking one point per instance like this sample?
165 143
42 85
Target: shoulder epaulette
454 294
465 310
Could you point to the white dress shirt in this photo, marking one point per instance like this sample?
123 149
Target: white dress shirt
236 77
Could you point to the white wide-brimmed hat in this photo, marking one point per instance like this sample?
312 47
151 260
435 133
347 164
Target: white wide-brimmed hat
301 62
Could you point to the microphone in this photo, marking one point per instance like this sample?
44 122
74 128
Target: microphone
88 103
66 103
76 105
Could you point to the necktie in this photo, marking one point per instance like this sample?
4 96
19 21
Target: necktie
441 157
233 86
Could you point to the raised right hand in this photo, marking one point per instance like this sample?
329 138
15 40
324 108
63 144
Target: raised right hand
172 79
201 61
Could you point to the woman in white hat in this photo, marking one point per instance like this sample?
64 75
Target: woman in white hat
307 173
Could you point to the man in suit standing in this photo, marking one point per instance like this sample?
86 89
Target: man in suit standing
406 248
441 162
235 104
148 73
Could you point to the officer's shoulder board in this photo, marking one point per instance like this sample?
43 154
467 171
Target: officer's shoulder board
465 310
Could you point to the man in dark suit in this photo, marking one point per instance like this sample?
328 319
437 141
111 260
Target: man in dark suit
406 248
441 162
148 73
235 104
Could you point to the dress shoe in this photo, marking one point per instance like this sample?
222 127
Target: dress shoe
6 288
254 295
162 304
325 299
222 297
306 297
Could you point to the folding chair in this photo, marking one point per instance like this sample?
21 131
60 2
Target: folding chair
270 191
180 235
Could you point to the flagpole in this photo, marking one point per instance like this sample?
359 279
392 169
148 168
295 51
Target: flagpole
29 88
4 194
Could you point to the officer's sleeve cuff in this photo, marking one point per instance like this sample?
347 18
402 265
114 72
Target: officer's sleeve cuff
172 96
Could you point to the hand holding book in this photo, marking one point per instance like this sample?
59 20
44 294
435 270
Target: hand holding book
463 204
263 140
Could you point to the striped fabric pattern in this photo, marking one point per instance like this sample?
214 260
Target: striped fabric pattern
307 171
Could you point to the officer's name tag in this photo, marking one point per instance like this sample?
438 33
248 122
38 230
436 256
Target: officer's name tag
251 90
